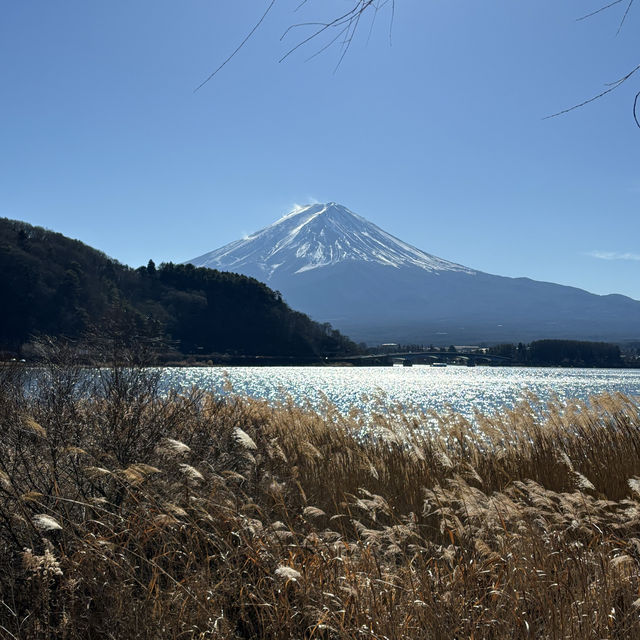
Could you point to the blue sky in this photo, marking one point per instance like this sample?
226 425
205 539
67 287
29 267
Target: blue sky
433 130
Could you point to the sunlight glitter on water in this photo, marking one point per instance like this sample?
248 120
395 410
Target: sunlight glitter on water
465 389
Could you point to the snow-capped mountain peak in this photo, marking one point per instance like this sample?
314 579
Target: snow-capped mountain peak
315 236
342 269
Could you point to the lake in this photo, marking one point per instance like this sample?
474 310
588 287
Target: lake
465 389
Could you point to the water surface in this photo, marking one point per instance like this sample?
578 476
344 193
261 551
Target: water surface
465 389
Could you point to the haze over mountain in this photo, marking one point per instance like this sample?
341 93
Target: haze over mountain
340 268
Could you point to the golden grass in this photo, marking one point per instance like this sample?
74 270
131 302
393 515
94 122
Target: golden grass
125 514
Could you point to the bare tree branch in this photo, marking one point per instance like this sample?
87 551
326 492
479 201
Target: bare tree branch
612 87
264 15
346 25
626 13
593 13
346 20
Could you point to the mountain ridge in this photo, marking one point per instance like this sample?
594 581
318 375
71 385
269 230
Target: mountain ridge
340 268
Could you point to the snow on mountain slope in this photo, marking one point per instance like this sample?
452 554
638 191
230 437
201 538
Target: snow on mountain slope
315 236
339 268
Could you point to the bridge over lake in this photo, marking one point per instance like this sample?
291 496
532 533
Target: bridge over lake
427 357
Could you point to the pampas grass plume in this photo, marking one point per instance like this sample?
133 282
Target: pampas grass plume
169 445
31 424
244 439
288 573
191 472
45 522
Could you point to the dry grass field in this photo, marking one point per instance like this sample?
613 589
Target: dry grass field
128 514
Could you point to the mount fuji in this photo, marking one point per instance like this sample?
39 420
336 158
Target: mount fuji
340 268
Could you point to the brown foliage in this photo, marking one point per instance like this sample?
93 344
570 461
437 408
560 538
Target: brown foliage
208 517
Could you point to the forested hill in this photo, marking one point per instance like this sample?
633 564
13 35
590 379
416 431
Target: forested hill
53 285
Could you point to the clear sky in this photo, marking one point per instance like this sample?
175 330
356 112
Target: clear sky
432 129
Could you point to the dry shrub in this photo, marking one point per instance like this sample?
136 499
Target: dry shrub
132 514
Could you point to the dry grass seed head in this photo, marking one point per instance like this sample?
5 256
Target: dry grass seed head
47 563
243 439
288 573
33 426
191 473
634 485
96 472
137 473
583 483
171 446
45 522
313 512
4 480
623 567
165 520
